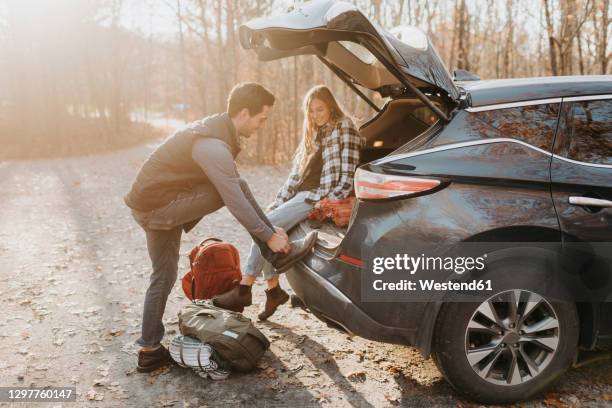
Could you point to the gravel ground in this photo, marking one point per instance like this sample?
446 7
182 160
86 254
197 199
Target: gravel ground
74 269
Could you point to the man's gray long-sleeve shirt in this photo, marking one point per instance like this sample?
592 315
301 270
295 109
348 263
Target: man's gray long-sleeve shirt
215 158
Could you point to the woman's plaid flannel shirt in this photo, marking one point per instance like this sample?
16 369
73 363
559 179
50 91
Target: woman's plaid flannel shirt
340 159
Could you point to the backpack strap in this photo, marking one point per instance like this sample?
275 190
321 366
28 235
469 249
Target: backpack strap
181 349
194 251
211 239
200 362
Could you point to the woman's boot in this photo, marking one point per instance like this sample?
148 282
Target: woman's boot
274 298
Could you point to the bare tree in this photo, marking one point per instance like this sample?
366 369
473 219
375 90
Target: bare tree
80 71
462 32
601 24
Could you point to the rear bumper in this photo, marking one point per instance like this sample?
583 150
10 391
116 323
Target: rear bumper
328 303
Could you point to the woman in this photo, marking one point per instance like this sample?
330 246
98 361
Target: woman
323 167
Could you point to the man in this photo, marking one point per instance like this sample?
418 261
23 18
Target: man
191 174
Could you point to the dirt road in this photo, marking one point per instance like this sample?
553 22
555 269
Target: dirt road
73 272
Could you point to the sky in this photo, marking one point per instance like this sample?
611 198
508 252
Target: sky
150 16
158 16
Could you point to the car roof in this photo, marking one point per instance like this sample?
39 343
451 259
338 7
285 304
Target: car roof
490 92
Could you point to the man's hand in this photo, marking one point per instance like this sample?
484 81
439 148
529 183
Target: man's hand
279 243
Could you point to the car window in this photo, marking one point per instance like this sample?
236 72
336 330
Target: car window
590 132
422 141
533 124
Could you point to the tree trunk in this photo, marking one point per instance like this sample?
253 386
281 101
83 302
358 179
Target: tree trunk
462 35
509 38
551 40
183 65
580 56
603 36
221 53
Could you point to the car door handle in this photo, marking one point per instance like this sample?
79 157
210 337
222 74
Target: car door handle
590 202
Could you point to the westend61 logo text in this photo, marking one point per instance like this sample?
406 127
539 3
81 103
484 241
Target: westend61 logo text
413 264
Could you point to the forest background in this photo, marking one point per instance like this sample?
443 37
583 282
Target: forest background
87 76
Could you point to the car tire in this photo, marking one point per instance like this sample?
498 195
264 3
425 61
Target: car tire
454 351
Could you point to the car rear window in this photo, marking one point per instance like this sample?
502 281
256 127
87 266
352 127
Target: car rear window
533 124
422 141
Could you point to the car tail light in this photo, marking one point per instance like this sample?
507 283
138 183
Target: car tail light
351 260
375 186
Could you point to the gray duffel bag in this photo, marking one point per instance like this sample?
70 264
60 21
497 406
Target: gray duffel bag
231 334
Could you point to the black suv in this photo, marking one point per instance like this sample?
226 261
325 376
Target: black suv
520 169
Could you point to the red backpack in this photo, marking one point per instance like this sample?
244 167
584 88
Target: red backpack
215 269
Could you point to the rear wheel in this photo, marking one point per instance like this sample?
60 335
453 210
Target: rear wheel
507 348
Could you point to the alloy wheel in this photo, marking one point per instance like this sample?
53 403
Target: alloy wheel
512 337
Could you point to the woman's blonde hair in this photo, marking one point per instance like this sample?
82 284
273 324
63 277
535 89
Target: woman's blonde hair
325 95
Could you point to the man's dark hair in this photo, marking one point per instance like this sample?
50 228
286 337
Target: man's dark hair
250 95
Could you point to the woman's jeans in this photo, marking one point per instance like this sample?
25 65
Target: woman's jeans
163 228
286 216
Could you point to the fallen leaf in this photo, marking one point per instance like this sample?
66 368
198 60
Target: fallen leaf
103 370
552 400
94 396
357 376
392 398
155 374
395 370
295 370
100 382
269 372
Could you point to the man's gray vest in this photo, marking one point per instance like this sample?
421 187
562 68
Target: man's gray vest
170 169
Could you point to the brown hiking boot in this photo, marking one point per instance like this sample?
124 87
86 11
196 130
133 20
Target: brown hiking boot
235 299
299 249
274 298
154 359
